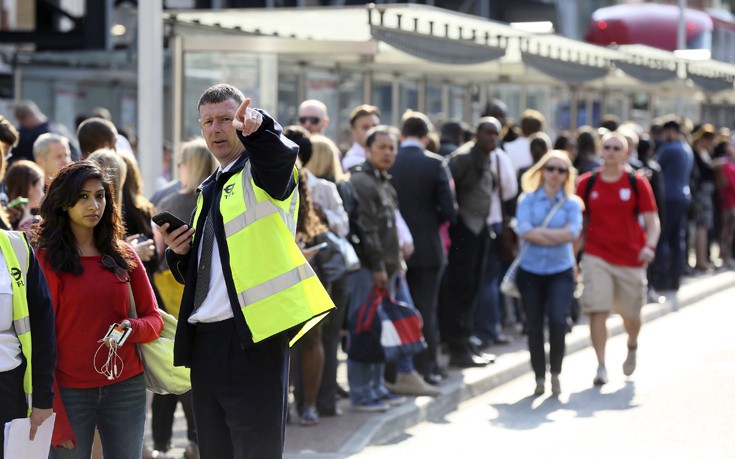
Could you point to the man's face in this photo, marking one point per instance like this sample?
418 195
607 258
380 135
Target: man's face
487 137
216 123
382 152
361 126
58 156
312 119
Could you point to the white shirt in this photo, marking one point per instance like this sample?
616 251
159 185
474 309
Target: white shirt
324 193
216 306
10 354
519 152
354 156
508 184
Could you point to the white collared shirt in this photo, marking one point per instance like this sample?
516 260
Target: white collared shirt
216 306
508 184
10 354
354 156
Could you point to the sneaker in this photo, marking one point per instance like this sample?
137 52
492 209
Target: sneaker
555 384
192 451
630 360
310 417
393 399
412 384
540 387
601 377
371 406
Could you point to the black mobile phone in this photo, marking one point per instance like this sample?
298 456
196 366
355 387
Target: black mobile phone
173 221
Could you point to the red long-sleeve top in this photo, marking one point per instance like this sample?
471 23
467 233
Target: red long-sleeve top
85 306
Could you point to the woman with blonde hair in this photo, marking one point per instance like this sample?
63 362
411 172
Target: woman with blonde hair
324 161
549 220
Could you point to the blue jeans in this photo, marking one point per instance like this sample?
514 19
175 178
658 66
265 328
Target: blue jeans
546 297
671 253
118 412
366 380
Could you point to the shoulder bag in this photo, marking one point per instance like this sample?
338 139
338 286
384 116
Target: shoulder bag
161 376
509 286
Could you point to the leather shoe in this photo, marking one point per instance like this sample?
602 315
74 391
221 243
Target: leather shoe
502 339
433 378
489 358
467 360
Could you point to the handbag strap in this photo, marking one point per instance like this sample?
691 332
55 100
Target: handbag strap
132 312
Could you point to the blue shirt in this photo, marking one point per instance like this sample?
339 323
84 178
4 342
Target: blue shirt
531 213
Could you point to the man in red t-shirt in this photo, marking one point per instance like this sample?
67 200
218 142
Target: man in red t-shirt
621 233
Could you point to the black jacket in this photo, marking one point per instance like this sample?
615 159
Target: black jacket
425 199
272 159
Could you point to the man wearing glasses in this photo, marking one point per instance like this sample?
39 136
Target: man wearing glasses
313 116
249 292
617 248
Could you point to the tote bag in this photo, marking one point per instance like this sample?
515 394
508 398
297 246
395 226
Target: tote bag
161 376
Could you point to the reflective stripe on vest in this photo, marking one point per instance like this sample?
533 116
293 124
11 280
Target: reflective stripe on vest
276 287
16 254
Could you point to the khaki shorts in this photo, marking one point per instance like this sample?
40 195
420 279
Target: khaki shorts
612 288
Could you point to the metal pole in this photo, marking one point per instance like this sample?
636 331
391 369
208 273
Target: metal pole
681 37
150 91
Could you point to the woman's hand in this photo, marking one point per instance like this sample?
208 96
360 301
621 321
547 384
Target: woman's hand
380 279
66 444
144 247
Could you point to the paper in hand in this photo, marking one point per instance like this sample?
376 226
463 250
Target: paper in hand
17 443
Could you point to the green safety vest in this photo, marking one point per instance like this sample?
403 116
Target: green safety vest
277 289
16 253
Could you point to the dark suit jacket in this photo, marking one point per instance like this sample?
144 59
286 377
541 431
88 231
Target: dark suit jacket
425 199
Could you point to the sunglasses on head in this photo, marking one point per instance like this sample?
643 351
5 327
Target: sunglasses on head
612 147
109 263
310 119
560 170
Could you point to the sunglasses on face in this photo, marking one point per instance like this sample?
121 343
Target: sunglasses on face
560 170
612 147
109 263
309 119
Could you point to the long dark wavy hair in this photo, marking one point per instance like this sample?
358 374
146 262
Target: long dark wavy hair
54 233
308 224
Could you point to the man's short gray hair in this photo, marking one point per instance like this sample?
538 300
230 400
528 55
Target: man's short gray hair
43 143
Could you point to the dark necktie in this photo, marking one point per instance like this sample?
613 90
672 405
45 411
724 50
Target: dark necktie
205 261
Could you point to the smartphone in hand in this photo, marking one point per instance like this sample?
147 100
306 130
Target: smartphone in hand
173 221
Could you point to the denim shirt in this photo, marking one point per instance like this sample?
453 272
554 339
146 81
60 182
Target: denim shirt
531 213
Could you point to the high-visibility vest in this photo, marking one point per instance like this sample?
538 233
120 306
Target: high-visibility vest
276 287
16 253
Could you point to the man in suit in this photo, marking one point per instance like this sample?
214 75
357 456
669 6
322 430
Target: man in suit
426 200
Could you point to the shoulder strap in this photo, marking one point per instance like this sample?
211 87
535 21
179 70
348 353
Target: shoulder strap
634 187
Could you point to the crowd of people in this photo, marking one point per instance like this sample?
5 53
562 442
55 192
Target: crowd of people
432 218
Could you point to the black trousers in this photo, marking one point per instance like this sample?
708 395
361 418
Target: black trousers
423 283
464 271
163 408
240 396
12 399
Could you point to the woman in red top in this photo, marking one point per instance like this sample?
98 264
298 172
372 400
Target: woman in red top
91 273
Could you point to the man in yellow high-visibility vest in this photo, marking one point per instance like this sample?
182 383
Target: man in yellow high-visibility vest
27 337
249 291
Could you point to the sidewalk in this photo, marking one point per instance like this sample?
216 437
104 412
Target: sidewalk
342 436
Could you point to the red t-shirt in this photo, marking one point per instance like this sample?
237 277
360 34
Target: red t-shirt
727 194
85 306
614 232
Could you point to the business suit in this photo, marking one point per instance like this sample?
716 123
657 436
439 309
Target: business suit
239 388
426 200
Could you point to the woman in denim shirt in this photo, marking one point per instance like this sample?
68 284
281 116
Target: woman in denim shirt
546 271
